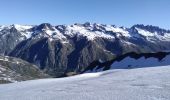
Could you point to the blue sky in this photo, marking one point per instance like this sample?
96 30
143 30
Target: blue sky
117 12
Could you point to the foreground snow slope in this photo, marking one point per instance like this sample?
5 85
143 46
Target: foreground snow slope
151 83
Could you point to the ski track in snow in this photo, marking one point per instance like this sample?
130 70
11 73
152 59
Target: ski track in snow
122 84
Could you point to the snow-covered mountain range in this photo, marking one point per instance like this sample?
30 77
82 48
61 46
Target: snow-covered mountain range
70 49
88 30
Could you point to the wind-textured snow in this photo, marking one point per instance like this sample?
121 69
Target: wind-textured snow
152 83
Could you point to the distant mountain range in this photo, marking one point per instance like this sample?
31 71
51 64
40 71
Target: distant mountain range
64 50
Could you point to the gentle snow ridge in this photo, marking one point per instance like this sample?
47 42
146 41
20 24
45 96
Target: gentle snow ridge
126 84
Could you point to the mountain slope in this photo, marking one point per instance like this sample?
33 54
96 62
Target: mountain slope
131 60
150 83
14 70
65 49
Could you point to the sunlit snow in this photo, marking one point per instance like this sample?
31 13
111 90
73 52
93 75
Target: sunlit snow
152 83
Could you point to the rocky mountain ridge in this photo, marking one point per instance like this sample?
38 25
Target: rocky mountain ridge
65 49
15 70
130 61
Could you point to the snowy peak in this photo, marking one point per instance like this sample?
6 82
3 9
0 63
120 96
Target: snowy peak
21 27
90 32
149 29
2 27
87 24
44 26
